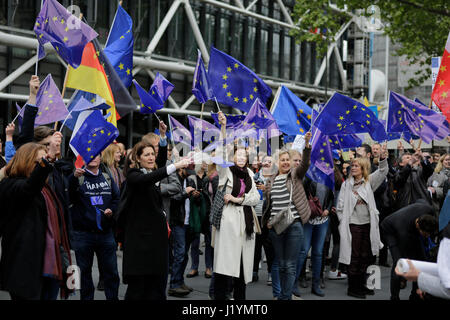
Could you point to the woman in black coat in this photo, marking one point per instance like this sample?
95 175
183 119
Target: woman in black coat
31 265
146 243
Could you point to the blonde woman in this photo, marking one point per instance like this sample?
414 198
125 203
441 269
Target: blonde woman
359 222
110 158
437 180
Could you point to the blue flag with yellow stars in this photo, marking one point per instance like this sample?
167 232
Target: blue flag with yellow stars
201 87
258 118
344 115
150 101
93 136
51 106
406 115
233 120
67 34
321 169
119 47
291 113
234 84
202 131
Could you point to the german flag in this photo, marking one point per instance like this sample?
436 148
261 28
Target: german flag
90 76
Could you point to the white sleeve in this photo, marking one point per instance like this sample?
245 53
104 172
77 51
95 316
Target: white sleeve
432 285
171 169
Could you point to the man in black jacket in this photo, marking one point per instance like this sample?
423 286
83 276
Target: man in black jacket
411 180
407 234
94 197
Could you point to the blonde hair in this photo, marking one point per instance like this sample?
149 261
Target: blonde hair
108 155
294 152
440 164
150 138
364 163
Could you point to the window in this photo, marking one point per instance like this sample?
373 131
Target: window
276 54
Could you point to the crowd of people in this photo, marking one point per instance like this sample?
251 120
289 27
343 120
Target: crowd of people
154 203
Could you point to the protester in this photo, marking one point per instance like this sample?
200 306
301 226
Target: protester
437 180
407 233
315 231
35 244
411 180
111 157
200 206
428 283
234 242
146 244
287 245
95 197
263 240
177 190
358 222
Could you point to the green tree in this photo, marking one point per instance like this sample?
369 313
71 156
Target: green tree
421 27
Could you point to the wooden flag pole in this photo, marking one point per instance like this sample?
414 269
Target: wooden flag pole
201 114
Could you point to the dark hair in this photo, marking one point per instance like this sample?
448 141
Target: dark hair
367 148
138 149
428 224
42 132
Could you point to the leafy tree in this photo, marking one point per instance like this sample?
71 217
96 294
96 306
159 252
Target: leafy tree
421 27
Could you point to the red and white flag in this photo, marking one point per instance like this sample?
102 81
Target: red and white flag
441 91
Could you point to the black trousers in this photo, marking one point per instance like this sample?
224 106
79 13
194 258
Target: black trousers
263 241
221 286
151 287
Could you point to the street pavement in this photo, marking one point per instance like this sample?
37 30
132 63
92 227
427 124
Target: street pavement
335 289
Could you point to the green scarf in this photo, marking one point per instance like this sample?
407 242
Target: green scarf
197 214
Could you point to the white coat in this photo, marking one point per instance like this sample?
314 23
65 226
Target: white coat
231 242
346 206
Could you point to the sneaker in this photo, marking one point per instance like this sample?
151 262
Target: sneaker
336 275
178 292
294 297
269 279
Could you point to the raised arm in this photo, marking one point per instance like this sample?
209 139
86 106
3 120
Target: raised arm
377 178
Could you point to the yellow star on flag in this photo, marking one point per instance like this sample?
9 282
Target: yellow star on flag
55 18
224 77
224 86
244 100
228 94
236 65
229 69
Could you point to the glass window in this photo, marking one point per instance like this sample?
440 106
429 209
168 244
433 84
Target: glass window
210 27
276 54
263 51
224 40
287 58
250 52
297 60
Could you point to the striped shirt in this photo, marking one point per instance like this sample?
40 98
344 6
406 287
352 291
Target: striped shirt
280 196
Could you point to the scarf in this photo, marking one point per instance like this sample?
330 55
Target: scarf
57 250
238 174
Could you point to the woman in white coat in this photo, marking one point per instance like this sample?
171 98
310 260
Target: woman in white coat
359 222
234 242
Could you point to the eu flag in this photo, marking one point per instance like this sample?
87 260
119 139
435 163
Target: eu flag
322 164
119 47
202 131
344 115
406 115
179 133
258 117
291 113
233 120
93 136
234 84
201 87
67 34
50 103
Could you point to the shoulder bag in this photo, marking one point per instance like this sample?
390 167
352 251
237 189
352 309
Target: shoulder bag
283 219
217 207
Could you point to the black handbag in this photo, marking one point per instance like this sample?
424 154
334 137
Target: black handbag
217 207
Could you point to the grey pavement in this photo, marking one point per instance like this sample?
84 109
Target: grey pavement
335 289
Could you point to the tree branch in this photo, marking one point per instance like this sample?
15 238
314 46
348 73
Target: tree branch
444 13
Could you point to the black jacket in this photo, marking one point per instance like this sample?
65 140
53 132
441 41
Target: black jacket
146 243
399 230
23 224
411 184
311 188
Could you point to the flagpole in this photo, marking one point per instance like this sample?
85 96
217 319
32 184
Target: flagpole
63 92
201 114
18 114
64 122
37 61
114 20
217 104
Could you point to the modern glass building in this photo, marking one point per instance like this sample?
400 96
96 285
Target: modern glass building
167 35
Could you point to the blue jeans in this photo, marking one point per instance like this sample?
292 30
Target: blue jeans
179 251
275 273
287 246
314 237
104 246
195 252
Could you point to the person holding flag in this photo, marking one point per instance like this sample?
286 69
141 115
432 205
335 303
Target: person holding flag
359 222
